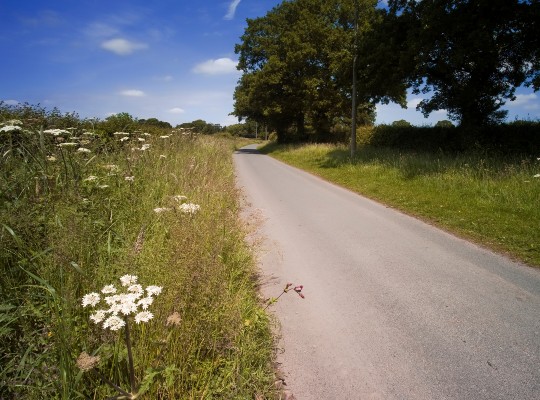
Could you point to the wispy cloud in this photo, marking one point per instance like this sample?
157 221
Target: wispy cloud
232 9
413 103
122 47
11 102
177 110
216 67
524 99
165 78
132 93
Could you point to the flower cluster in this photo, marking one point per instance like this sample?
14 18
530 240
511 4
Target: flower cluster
189 208
135 300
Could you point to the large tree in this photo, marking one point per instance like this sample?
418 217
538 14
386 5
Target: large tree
297 64
470 54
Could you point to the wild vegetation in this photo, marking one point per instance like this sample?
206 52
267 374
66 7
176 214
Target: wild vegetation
88 204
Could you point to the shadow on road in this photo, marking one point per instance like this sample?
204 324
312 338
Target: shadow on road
247 150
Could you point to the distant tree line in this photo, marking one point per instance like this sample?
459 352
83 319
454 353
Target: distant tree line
468 55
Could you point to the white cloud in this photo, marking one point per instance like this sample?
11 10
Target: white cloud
414 102
177 110
523 99
132 93
216 67
232 9
11 102
122 47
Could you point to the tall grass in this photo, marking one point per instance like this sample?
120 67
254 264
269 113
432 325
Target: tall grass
492 200
71 223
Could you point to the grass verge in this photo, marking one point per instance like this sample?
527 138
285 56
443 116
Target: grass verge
74 221
490 200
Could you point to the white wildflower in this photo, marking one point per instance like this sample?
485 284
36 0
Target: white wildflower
124 139
10 128
91 178
189 208
121 133
84 142
144 147
162 156
108 289
98 316
165 136
136 288
153 290
129 178
143 316
536 176
68 144
146 134
83 150
145 302
56 132
128 280
90 299
103 186
14 122
51 158
160 210
114 323
128 306
141 139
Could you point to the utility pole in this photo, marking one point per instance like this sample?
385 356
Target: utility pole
355 57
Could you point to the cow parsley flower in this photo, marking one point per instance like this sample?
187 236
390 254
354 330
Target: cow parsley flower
160 210
121 305
10 128
144 303
68 144
143 316
91 178
129 178
124 139
128 280
153 290
536 176
98 316
83 150
108 289
91 299
189 208
114 323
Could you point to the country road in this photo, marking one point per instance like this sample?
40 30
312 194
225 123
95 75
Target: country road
394 308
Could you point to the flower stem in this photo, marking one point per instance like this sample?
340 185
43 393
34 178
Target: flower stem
130 358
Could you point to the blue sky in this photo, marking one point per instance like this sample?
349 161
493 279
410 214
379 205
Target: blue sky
169 59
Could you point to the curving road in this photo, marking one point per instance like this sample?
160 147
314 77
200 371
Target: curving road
394 308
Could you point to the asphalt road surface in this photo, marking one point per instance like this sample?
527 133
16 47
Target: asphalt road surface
394 308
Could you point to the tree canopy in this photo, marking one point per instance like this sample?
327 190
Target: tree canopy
297 64
468 56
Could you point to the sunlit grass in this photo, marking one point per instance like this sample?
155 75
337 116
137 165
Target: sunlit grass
491 200
74 221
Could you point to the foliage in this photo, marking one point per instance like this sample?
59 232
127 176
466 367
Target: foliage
79 209
519 137
201 126
471 55
297 64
